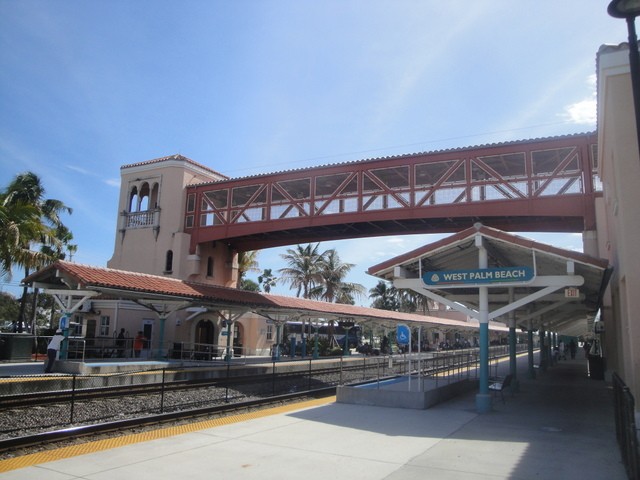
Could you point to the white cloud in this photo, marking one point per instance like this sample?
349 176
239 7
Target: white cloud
583 112
79 170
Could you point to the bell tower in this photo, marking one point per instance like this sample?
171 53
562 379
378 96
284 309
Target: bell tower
151 237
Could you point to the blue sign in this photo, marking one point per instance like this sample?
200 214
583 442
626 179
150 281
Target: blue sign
479 276
403 335
64 323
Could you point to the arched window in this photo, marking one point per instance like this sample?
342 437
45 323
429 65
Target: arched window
153 200
168 264
133 200
144 197
210 267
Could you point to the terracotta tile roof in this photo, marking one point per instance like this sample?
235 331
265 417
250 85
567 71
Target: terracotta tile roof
129 283
174 157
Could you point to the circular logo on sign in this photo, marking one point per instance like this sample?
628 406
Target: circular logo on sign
435 277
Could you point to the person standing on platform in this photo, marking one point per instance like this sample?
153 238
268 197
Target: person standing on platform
52 350
138 344
120 342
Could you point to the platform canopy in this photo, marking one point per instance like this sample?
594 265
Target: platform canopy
530 283
166 295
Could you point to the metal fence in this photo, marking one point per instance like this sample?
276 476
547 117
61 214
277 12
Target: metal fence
626 432
186 388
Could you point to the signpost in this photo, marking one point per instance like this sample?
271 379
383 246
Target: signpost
403 337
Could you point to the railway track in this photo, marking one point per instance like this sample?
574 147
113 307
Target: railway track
73 392
17 445
57 416
33 419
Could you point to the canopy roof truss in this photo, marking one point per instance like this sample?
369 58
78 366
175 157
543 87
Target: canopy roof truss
541 300
165 295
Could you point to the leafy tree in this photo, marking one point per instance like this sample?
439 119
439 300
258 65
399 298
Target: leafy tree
268 280
9 307
249 285
39 308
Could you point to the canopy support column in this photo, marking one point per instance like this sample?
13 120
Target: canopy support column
483 398
513 369
532 370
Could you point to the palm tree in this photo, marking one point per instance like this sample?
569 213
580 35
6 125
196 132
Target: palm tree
25 195
267 279
247 262
385 297
18 223
333 288
303 269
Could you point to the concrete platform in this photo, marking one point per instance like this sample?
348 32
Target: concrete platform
403 392
560 425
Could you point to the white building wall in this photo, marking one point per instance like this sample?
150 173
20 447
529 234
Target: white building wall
619 162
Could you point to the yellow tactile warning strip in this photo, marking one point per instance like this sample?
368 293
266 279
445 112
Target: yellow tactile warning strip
99 445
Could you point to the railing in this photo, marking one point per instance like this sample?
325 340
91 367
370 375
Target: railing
225 385
193 351
626 426
147 218
547 172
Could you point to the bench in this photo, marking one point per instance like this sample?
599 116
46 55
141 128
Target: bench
500 384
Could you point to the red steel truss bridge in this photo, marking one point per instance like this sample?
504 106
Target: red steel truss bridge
543 185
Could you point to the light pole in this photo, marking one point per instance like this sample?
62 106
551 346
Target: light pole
629 10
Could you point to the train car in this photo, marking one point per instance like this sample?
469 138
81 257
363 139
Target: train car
294 329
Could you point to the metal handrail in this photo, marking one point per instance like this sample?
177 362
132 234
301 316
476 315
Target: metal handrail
626 432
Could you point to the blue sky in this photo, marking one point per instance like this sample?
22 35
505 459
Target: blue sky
246 87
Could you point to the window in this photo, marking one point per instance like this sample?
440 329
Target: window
104 325
210 267
133 200
269 332
75 329
143 201
168 264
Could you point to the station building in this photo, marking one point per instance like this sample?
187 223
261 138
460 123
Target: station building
152 238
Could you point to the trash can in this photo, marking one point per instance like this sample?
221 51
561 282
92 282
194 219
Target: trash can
596 367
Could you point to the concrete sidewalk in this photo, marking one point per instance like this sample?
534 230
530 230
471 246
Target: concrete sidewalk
559 426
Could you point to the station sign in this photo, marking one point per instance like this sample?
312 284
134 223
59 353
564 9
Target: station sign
480 276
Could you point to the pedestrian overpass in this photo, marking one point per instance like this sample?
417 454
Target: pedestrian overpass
544 185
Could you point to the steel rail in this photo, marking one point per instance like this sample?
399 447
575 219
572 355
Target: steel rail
151 420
